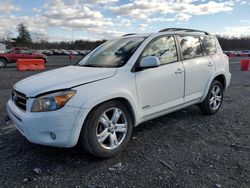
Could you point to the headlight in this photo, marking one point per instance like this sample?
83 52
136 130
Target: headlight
52 101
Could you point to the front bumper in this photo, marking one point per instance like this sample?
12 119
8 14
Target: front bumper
60 128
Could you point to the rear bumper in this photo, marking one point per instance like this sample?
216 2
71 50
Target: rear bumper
59 128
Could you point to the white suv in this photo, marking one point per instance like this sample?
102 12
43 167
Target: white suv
119 85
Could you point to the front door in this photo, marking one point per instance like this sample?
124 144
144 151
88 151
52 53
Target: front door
160 88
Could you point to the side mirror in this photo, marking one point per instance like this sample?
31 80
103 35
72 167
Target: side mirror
149 62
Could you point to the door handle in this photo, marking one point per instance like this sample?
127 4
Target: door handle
210 64
178 71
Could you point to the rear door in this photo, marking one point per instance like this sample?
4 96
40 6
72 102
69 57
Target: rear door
199 67
163 87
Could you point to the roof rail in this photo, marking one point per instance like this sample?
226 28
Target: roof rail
129 34
184 29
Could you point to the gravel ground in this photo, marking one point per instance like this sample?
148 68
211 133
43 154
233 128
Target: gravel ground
181 149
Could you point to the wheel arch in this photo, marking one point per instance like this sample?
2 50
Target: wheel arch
123 100
86 112
5 58
220 76
222 79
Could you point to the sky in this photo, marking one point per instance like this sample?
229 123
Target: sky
66 20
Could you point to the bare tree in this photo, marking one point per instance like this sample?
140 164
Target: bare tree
39 37
8 35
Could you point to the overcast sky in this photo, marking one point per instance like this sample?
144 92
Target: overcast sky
99 19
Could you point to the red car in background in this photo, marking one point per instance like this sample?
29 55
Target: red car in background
11 56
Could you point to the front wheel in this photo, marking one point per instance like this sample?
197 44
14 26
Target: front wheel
107 129
213 100
3 62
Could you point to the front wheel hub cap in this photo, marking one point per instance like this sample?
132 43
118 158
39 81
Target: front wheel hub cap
112 128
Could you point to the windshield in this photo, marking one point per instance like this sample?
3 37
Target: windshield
114 53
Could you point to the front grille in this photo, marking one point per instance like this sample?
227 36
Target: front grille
19 99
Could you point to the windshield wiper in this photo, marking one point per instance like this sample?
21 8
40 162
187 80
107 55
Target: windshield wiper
92 66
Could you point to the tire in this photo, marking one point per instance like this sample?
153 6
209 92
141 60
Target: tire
3 62
45 60
213 100
102 137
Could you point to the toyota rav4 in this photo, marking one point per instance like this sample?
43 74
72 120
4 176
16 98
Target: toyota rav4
120 84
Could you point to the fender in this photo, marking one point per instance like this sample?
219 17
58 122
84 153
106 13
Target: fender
6 58
210 82
124 94
87 107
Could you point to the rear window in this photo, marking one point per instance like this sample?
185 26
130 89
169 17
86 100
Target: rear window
209 44
25 51
190 47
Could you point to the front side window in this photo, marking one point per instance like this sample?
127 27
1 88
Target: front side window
209 44
10 51
113 53
190 47
164 48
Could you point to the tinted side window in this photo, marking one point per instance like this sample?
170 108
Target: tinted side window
164 48
209 45
190 47
10 51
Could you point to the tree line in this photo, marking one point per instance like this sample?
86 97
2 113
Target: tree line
242 43
75 45
39 41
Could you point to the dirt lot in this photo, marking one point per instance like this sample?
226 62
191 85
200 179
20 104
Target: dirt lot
182 149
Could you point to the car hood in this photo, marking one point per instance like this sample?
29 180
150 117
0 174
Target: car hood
62 78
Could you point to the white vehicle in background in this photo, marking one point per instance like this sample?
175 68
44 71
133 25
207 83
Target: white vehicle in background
86 51
245 52
65 52
117 86
73 52
2 48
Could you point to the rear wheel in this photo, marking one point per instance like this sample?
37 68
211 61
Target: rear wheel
45 60
213 100
3 62
107 129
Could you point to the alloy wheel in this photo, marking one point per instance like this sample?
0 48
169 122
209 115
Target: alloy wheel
215 97
2 63
112 128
